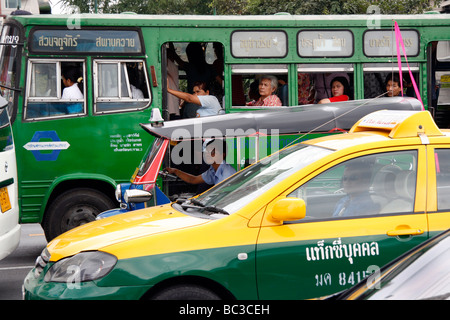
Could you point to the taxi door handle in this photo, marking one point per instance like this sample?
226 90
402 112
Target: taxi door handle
405 232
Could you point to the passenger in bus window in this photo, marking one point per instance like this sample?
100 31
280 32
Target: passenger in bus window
393 87
322 84
340 90
71 79
133 76
209 105
268 85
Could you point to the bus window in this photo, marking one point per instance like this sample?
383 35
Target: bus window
246 79
45 89
314 80
377 74
120 86
187 63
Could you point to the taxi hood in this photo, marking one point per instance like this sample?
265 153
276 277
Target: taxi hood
105 232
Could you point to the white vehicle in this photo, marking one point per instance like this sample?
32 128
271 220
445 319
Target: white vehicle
9 207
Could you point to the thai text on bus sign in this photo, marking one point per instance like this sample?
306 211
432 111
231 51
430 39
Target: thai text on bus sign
75 41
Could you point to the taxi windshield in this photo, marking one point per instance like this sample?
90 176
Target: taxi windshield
245 186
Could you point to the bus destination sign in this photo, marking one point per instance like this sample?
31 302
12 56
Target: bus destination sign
259 44
325 43
91 41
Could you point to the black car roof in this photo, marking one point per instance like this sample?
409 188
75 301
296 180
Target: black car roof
287 120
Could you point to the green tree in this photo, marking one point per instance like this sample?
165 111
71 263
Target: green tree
244 7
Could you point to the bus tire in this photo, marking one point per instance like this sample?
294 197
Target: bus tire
74 208
185 292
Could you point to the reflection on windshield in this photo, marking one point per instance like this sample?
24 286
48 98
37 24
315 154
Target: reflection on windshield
245 186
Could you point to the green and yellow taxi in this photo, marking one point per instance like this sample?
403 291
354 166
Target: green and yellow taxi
308 221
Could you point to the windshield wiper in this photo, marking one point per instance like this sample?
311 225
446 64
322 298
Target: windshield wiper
197 203
215 209
194 203
190 203
212 209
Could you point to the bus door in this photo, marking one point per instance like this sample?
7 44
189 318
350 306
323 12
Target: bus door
439 81
184 64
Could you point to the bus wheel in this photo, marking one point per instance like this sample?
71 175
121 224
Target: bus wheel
185 292
74 208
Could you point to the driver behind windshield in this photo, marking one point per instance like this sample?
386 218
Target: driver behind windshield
214 154
356 183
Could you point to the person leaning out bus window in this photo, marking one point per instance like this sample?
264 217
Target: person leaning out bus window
340 90
71 80
268 85
209 105
393 87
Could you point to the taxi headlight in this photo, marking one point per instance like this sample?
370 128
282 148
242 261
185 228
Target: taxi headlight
85 266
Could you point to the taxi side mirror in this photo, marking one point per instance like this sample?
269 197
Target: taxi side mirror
288 209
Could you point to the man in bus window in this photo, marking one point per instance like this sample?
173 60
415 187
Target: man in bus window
393 87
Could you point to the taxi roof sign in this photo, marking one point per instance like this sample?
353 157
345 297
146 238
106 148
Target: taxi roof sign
399 124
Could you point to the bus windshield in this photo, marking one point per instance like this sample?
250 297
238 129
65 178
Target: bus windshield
253 181
9 41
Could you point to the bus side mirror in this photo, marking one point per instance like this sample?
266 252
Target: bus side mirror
288 209
156 119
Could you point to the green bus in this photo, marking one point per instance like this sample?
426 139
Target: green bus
72 152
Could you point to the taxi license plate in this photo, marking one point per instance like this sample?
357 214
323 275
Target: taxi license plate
5 204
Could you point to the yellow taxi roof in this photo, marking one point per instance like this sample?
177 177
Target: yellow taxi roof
385 125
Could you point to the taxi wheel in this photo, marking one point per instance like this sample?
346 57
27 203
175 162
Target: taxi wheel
185 292
74 208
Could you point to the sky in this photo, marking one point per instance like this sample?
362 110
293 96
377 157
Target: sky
56 6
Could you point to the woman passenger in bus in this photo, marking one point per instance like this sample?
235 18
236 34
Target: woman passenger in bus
71 80
340 91
209 105
268 85
393 87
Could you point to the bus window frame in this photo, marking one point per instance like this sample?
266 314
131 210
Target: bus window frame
58 98
323 68
119 62
258 69
389 68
